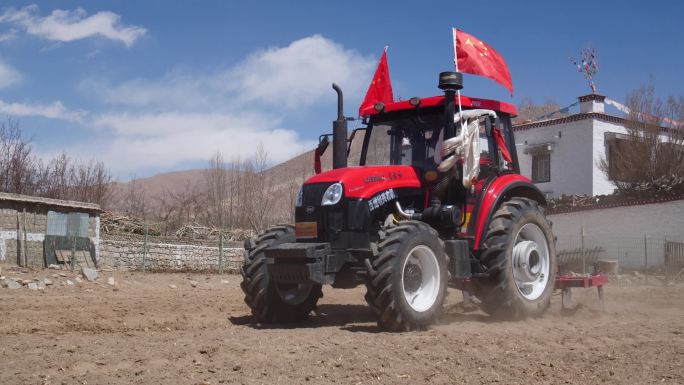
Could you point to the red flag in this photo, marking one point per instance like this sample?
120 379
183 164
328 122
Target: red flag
380 89
475 57
502 145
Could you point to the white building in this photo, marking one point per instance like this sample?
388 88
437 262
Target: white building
562 155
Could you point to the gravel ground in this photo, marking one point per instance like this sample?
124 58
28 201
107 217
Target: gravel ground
195 329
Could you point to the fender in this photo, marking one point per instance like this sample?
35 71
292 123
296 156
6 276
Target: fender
498 191
365 181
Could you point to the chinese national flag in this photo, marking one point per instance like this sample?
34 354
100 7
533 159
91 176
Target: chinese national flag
380 89
475 57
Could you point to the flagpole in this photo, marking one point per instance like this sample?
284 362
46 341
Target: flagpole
458 92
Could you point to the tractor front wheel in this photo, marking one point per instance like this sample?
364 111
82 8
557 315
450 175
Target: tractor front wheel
519 256
406 278
274 302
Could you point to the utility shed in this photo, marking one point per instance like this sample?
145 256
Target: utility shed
38 232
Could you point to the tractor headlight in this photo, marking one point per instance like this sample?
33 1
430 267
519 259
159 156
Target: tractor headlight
332 195
300 197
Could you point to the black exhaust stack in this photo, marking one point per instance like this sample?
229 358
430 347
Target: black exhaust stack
339 133
450 82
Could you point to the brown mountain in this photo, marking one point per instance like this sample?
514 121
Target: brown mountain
287 175
300 166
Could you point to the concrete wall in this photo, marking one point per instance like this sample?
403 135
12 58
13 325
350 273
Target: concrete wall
620 231
164 255
571 158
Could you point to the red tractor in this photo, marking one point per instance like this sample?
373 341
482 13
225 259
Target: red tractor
436 200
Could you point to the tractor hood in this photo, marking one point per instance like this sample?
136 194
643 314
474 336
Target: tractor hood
366 181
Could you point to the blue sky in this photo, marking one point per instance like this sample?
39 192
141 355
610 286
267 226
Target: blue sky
153 86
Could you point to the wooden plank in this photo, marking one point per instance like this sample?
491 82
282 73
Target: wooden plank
63 256
23 235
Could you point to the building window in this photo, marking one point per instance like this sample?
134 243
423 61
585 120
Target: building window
618 149
67 224
541 167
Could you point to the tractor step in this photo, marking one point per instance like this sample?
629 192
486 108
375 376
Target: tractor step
459 258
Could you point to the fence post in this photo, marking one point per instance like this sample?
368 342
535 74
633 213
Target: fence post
73 252
23 228
584 255
666 266
220 251
646 259
144 249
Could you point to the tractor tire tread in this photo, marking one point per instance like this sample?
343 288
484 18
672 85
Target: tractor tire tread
259 295
379 282
497 293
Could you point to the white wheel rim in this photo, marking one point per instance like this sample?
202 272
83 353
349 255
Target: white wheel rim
531 262
293 293
420 278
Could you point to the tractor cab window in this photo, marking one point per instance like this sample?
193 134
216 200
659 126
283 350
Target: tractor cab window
485 149
407 140
413 139
379 142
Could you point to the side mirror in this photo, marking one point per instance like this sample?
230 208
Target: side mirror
323 143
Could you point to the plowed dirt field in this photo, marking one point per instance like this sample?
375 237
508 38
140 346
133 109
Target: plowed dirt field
160 329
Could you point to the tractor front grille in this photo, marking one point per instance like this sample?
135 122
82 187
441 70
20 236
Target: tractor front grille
313 193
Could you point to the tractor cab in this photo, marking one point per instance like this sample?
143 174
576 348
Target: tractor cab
412 132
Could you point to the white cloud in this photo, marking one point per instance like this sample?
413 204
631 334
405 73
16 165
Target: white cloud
65 26
301 73
55 110
165 140
8 75
185 116
296 76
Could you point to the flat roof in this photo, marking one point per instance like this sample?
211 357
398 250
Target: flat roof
4 197
602 116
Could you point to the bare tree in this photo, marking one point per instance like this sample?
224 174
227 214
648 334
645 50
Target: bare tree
189 204
650 156
217 190
135 201
165 211
529 111
299 170
16 162
62 177
235 178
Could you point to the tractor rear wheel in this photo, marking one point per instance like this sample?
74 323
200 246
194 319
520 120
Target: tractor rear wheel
519 255
407 277
274 302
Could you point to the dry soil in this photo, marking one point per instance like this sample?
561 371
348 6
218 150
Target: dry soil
195 329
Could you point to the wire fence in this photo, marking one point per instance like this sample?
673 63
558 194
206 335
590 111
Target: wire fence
156 254
649 254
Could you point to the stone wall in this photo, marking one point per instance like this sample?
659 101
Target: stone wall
168 254
35 224
32 222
